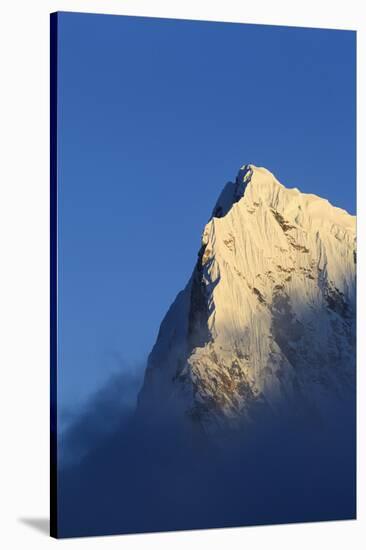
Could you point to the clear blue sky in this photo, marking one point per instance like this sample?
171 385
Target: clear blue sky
155 116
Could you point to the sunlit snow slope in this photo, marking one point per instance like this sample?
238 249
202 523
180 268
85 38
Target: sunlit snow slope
267 320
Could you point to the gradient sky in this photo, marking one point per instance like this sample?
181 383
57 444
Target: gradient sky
155 116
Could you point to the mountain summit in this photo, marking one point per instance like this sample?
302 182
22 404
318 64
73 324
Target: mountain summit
266 323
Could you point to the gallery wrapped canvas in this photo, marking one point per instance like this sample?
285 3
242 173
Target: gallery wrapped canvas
203 275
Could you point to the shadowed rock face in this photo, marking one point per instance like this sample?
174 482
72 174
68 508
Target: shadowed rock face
198 332
266 325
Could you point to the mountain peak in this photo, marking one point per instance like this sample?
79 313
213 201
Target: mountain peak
267 318
233 191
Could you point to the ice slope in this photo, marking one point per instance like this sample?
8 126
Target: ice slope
266 323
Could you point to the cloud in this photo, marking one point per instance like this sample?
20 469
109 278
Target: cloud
125 475
105 412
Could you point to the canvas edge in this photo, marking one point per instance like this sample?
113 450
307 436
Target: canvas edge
53 275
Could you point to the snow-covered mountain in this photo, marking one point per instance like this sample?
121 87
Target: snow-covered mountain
266 323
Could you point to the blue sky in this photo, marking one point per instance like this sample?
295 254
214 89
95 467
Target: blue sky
155 116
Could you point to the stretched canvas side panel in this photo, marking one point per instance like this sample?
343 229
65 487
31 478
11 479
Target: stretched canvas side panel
53 274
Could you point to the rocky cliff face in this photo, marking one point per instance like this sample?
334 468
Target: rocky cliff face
266 324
